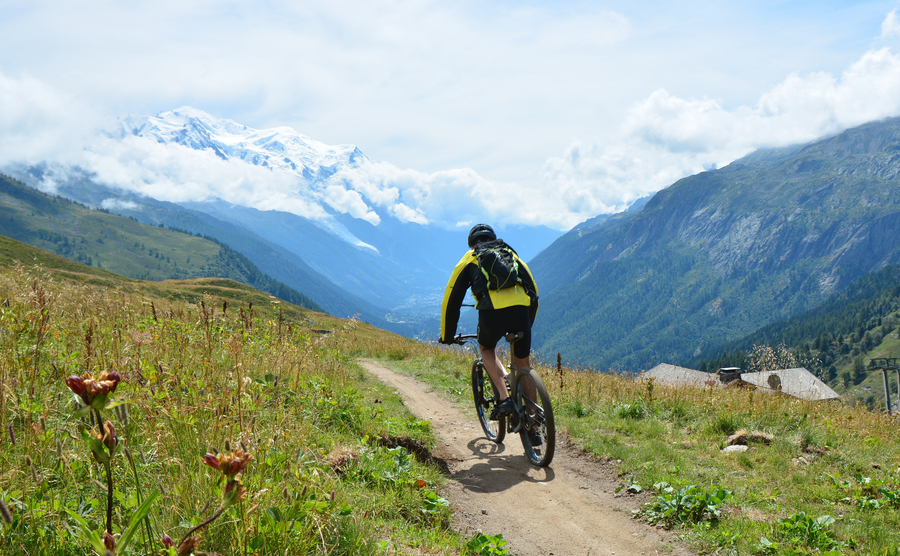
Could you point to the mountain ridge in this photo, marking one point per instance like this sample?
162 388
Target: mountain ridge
720 253
81 234
317 203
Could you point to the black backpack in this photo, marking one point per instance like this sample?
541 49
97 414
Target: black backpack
497 263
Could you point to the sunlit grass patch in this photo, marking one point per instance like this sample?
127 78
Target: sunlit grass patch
655 434
205 382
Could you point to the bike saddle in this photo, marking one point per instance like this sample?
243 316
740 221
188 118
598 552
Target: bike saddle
514 336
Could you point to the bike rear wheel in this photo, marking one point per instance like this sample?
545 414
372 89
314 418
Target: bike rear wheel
538 431
486 397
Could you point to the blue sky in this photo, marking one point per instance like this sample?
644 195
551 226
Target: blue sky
576 107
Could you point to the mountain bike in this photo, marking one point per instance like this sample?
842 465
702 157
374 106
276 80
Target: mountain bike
533 417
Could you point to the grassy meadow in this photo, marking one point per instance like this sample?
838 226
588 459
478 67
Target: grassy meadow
246 426
247 412
816 478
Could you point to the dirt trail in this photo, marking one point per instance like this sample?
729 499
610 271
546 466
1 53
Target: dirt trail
568 509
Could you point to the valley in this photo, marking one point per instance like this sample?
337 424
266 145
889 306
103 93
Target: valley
676 278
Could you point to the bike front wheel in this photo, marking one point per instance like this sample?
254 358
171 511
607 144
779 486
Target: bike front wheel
538 431
486 397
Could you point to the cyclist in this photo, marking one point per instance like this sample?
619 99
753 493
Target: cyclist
511 309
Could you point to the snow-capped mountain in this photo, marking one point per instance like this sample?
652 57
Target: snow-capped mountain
281 150
360 224
278 148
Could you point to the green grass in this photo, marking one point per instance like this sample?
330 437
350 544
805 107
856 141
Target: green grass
99 239
121 245
825 459
335 462
334 467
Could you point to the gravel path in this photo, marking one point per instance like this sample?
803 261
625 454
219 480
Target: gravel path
567 509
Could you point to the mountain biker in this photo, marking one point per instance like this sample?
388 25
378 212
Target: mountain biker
500 311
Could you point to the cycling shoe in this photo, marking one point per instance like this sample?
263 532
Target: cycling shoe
503 408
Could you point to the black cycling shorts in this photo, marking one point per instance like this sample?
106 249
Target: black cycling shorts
493 324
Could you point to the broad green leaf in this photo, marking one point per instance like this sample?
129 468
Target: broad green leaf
89 534
135 521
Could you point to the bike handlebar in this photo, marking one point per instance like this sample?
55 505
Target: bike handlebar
463 338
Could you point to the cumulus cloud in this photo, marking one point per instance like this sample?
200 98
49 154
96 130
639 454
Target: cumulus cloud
115 204
891 25
408 214
665 137
661 138
351 202
38 123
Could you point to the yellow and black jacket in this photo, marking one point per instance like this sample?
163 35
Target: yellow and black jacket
466 275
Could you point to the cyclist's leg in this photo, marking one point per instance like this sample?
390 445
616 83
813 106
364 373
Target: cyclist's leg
490 330
520 321
495 370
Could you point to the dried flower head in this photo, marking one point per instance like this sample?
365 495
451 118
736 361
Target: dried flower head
109 541
4 511
188 545
230 464
109 438
87 387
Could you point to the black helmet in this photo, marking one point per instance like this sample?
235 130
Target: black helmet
481 232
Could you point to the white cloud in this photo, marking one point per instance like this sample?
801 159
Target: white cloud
175 173
480 101
114 204
665 137
404 213
351 202
38 123
891 25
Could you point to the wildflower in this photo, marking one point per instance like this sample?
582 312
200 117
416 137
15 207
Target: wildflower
211 461
76 384
109 438
109 542
188 545
167 541
88 388
235 463
230 465
105 384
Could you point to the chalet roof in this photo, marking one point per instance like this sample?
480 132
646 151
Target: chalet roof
674 375
799 383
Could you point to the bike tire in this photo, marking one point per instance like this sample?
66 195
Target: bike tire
484 404
536 414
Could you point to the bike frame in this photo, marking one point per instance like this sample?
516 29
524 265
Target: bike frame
509 376
539 443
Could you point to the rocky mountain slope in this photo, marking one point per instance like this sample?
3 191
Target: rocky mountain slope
718 254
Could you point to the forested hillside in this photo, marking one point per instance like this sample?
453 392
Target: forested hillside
835 340
125 246
269 257
719 254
